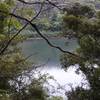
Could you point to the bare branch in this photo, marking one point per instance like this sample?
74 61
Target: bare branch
47 3
31 3
53 4
3 50
50 44
37 30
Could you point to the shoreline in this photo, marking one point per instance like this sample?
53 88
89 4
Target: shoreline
40 38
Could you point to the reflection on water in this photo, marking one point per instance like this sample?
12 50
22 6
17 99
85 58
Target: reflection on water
44 54
64 80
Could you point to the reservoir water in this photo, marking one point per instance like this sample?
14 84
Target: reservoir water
44 54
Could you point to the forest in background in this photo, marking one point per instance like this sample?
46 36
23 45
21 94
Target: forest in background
77 20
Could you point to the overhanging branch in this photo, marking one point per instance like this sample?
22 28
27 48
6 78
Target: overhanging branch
37 30
11 14
31 3
47 3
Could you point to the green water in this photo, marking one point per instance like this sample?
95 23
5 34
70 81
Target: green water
43 53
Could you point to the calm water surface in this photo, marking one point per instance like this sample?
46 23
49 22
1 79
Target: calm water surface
44 54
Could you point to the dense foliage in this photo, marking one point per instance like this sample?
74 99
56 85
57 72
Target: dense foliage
86 28
81 22
14 67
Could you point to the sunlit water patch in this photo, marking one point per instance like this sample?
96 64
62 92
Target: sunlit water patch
47 56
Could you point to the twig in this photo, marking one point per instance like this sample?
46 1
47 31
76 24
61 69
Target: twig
3 50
